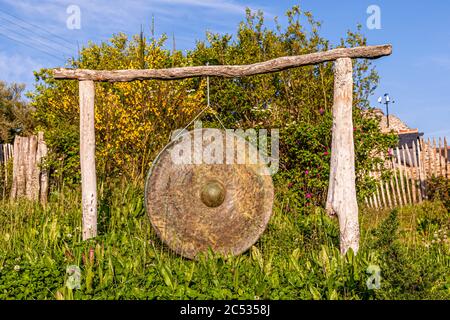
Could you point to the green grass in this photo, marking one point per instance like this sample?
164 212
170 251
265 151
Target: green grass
296 258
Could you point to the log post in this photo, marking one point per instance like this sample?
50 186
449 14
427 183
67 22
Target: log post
31 170
341 199
417 164
42 152
29 177
397 185
421 151
381 186
407 174
15 168
446 158
414 173
87 159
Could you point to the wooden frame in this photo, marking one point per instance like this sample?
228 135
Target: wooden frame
342 191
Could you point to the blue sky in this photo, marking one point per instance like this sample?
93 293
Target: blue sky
417 75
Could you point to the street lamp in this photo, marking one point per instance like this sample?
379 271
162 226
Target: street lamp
386 100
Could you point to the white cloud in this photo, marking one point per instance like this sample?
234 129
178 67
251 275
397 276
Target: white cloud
18 68
227 6
100 19
187 19
55 10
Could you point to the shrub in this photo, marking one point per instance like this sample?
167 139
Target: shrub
438 188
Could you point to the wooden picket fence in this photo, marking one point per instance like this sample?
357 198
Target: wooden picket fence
412 165
22 174
6 153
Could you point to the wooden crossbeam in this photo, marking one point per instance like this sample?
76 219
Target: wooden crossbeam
274 65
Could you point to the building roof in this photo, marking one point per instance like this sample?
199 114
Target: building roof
394 123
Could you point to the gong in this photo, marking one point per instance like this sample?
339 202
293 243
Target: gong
206 191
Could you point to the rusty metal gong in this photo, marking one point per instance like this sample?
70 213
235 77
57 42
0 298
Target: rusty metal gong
221 201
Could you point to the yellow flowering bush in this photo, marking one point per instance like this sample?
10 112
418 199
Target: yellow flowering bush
133 120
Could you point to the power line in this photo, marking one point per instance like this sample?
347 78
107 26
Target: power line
36 26
30 46
28 37
32 31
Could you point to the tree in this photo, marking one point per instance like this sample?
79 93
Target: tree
15 114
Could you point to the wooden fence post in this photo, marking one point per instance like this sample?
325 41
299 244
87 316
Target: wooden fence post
87 158
6 154
17 182
397 187
375 196
420 169
369 200
446 158
381 186
400 175
29 177
413 173
423 174
407 174
394 198
42 152
30 170
341 200
440 157
433 152
388 194
427 155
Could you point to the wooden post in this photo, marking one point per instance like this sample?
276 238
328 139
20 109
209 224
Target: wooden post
423 174
87 159
446 157
376 200
370 202
391 181
381 186
428 152
29 178
341 200
433 152
367 202
31 171
18 182
400 175
440 157
380 204
417 165
395 202
397 186
388 194
407 179
5 163
386 185
42 152
413 175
